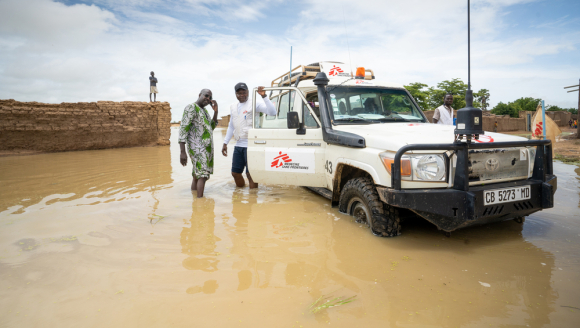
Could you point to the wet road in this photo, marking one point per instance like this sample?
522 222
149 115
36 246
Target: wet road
115 238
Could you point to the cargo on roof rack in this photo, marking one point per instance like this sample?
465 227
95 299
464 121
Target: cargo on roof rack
308 72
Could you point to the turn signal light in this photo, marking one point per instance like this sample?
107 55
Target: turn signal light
360 73
405 165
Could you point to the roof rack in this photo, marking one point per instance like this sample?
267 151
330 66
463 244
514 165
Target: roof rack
307 72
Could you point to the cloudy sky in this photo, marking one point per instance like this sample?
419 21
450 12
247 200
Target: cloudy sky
76 50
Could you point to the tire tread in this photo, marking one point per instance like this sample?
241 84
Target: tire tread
385 219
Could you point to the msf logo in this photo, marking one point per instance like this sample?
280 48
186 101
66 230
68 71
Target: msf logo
335 70
539 130
280 160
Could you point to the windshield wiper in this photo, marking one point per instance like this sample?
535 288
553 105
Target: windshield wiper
396 119
353 119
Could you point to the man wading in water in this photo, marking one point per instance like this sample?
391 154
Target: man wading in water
197 129
240 123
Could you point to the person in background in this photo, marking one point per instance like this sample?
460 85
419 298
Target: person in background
342 108
570 123
495 126
153 87
444 113
370 106
241 118
197 130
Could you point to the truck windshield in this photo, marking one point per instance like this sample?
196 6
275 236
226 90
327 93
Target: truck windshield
356 105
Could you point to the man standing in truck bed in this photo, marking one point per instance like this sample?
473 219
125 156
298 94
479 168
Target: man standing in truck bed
241 118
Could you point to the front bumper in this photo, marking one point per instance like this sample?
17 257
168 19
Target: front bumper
451 209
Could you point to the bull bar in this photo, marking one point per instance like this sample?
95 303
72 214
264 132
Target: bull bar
460 206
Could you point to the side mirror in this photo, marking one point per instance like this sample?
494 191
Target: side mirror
292 120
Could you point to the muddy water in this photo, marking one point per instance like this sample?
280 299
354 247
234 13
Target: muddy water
114 238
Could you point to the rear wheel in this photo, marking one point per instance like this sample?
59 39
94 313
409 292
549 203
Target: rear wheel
360 199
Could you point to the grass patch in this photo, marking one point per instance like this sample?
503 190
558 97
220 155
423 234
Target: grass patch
567 159
326 302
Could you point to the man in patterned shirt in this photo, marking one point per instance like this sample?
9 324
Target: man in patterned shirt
197 130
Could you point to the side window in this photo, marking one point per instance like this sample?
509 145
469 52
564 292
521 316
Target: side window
265 121
283 106
286 104
309 121
312 100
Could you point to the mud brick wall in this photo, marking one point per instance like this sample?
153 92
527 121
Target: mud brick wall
224 121
504 123
559 117
81 126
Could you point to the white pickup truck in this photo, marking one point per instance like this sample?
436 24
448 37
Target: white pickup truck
346 138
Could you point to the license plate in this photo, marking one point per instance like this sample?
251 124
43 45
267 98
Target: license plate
506 195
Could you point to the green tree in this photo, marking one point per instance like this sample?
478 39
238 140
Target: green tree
430 98
420 95
479 96
456 87
505 109
526 103
557 108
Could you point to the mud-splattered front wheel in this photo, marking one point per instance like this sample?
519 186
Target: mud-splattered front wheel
360 199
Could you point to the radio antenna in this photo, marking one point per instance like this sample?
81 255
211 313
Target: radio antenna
347 43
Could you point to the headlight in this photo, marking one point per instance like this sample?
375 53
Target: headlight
429 168
420 167
532 160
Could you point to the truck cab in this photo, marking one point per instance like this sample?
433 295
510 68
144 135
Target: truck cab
367 146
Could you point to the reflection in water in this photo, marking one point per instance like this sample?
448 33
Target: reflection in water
199 241
245 264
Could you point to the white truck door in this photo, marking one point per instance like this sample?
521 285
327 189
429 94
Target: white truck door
278 155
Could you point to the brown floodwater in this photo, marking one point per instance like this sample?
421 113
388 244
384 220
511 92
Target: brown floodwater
115 238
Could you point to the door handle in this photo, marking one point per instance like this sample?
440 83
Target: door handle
260 142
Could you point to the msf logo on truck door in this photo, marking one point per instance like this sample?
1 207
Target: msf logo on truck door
280 160
289 160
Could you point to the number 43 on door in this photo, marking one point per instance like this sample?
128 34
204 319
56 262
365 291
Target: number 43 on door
328 167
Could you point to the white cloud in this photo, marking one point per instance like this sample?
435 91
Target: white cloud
42 22
53 53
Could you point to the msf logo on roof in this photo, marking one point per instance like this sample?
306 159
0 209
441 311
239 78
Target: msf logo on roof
280 160
335 70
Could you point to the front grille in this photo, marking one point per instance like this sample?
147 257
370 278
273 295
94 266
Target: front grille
498 164
493 210
525 205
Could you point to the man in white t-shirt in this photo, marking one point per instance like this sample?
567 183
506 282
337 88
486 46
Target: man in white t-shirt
444 113
241 119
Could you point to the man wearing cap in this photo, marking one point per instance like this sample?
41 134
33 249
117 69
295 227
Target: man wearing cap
241 118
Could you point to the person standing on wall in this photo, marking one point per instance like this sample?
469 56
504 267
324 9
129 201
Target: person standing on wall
444 113
153 87
241 118
197 130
